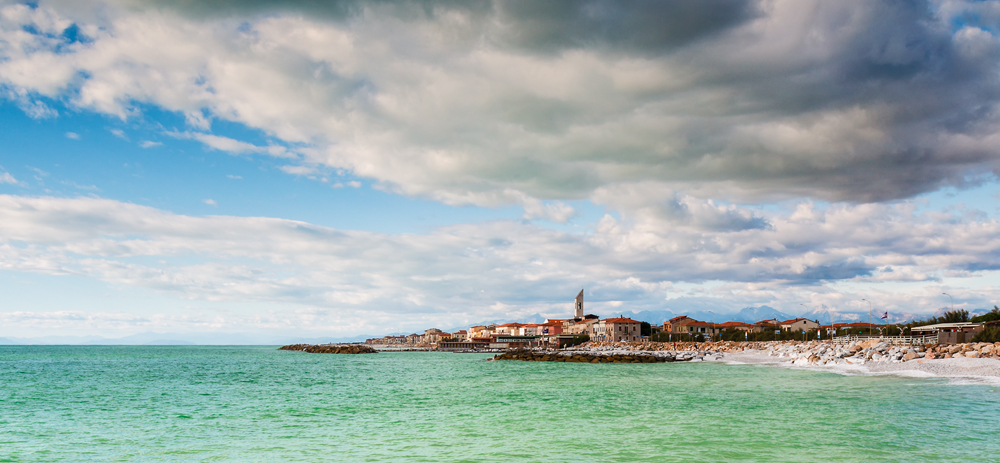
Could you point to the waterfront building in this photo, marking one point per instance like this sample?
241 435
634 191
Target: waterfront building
480 331
551 327
799 324
616 329
767 325
581 327
687 325
949 333
509 329
531 329
734 326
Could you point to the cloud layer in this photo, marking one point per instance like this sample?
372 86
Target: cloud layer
494 103
468 273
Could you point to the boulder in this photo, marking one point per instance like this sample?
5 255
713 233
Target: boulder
909 356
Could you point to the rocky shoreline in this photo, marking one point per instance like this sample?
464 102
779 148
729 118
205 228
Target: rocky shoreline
876 351
602 356
330 348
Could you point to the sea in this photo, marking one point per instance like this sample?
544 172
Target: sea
259 404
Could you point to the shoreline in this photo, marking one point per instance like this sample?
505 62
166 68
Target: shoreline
956 370
979 364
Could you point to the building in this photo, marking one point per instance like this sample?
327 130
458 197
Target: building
687 325
551 327
949 333
767 325
480 331
734 326
799 324
616 329
580 327
509 329
578 306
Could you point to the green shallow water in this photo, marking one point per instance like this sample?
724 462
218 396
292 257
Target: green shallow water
132 403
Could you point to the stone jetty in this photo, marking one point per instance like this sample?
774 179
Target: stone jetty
330 348
605 354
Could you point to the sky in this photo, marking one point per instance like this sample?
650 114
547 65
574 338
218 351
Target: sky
368 167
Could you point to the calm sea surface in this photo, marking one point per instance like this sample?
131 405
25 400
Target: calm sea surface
130 403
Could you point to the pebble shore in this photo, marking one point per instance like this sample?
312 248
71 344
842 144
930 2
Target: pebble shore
975 361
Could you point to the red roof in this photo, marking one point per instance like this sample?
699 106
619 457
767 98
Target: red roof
621 320
511 324
789 322
731 324
678 318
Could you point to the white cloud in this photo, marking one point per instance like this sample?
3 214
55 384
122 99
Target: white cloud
149 144
455 273
464 106
299 170
210 202
234 177
119 133
72 136
5 177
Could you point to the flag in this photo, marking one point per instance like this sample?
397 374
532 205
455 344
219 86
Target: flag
885 316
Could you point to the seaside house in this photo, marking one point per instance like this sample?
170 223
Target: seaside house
581 327
734 326
949 333
509 329
799 324
687 325
551 327
616 329
766 325
480 331
671 325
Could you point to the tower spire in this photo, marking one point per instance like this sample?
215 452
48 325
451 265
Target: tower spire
578 306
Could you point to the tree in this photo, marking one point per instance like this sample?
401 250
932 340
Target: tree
956 316
988 316
645 329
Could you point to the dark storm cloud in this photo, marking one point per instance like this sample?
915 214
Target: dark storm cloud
645 26
512 102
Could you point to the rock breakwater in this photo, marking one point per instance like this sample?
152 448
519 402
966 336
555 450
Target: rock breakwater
604 355
876 351
330 348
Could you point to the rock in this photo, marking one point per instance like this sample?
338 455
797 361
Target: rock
957 355
330 348
972 354
909 356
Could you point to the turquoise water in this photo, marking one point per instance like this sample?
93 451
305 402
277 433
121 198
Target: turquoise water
131 403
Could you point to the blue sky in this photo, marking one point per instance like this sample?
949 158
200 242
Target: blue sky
283 167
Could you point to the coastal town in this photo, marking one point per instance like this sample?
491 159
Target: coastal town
559 333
